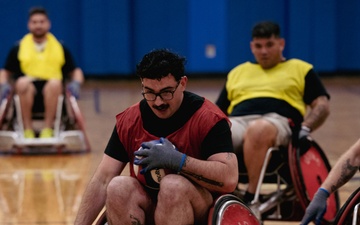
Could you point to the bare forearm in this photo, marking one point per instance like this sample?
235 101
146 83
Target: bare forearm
78 75
344 169
318 114
4 76
218 174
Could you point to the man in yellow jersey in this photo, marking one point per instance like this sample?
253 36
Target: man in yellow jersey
39 62
260 97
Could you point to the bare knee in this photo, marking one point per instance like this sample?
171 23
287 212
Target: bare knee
173 189
179 196
53 87
126 189
120 187
126 196
23 85
261 131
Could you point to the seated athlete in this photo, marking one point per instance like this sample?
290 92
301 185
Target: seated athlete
260 97
39 62
203 162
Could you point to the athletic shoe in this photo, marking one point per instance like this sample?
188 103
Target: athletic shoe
46 133
29 133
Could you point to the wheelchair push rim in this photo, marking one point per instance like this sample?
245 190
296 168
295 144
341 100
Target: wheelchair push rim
310 169
346 214
229 209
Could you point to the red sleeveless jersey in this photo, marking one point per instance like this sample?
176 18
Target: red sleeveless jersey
187 139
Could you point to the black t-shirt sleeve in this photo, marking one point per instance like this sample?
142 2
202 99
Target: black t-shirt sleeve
12 63
223 102
115 148
313 87
69 65
217 140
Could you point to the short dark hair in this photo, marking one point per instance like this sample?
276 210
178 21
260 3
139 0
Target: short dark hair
266 29
38 10
159 63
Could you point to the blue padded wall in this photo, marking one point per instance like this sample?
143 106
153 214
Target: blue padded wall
110 37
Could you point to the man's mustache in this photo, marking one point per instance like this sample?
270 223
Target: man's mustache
161 107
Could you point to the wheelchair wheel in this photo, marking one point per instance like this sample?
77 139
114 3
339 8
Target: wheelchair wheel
309 168
228 210
3 106
4 109
79 119
346 214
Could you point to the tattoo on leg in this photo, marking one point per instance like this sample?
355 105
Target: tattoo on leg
347 172
135 221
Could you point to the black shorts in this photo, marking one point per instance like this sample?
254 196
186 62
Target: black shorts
39 98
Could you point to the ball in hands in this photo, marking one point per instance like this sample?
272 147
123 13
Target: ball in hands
152 178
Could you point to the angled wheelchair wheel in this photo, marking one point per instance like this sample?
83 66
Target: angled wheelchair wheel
350 212
229 209
309 168
5 105
74 110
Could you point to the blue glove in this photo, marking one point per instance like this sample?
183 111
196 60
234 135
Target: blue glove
5 89
317 208
74 88
304 132
163 155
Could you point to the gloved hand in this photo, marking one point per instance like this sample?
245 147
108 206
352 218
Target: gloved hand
304 132
163 155
74 88
5 89
317 208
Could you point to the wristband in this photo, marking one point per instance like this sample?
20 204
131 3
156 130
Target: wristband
183 159
303 127
326 191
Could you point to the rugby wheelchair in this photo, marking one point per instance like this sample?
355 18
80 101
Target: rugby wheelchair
226 210
349 213
288 181
69 128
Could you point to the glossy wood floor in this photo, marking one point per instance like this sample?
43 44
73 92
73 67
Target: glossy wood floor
47 189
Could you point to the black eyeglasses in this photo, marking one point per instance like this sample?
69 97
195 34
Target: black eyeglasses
164 95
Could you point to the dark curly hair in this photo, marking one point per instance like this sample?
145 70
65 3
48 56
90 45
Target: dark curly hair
159 63
266 29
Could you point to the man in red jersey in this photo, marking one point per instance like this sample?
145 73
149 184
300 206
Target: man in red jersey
203 161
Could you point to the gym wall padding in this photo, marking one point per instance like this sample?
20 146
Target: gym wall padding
110 37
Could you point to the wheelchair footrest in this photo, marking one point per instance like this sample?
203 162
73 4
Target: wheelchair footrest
74 140
7 140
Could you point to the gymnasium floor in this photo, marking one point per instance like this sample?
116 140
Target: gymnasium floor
47 189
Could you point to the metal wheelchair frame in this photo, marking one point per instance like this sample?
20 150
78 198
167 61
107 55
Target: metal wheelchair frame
65 139
295 192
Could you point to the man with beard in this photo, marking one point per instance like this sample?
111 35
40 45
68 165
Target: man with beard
203 162
39 62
